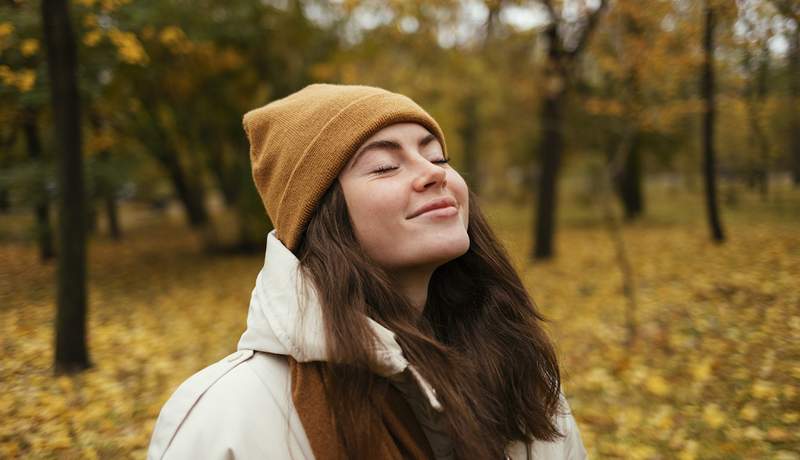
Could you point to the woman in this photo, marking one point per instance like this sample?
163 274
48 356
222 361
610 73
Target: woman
387 321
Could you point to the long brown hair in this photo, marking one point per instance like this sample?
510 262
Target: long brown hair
479 340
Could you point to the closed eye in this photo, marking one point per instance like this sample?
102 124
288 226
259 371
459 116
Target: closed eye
386 168
383 169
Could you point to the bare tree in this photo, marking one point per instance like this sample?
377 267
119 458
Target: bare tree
470 129
755 93
790 9
707 91
604 184
71 353
627 179
565 41
44 233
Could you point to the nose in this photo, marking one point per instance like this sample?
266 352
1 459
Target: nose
431 174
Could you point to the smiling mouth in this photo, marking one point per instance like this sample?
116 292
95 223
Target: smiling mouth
435 205
446 211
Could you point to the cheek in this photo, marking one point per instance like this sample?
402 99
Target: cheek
461 192
374 210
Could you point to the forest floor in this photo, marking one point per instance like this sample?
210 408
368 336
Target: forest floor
714 374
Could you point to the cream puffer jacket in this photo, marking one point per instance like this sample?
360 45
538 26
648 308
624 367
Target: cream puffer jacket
241 407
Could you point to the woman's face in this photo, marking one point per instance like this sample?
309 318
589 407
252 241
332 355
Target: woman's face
394 175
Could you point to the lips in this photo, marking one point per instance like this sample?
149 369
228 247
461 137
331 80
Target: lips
434 204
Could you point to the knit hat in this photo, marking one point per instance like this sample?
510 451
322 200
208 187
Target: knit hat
299 145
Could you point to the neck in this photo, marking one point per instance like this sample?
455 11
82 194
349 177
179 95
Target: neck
413 283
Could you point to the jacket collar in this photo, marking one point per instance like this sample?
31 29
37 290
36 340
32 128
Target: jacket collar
283 320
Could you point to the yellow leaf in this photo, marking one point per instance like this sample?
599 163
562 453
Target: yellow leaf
175 39
786 455
762 390
689 452
662 419
713 416
29 46
657 385
26 79
702 370
752 432
171 34
748 412
6 29
92 37
60 441
89 453
7 76
90 20
790 417
128 47
65 383
597 378
9 449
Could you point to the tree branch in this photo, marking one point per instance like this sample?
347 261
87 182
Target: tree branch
555 18
591 23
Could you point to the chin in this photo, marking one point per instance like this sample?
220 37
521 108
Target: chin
426 249
440 252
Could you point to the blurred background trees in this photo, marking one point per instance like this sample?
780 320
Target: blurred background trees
513 82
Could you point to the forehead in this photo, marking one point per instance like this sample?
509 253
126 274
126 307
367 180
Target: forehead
398 131
392 137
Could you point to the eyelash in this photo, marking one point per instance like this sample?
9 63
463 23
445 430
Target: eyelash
385 168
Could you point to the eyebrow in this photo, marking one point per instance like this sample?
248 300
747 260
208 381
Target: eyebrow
389 144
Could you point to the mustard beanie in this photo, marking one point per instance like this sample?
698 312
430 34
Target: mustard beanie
299 144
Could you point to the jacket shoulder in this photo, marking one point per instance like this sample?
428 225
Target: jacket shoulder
570 447
239 407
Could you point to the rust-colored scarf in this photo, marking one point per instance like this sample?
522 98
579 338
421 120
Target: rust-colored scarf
400 433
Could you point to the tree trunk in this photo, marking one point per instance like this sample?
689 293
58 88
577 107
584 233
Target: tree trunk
190 195
113 218
754 94
107 189
629 182
557 71
550 149
5 146
628 179
794 101
43 229
709 160
71 353
5 201
225 171
192 198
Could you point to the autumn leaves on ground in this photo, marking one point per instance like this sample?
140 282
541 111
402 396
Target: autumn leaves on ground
714 375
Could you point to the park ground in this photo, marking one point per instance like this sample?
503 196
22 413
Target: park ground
714 375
